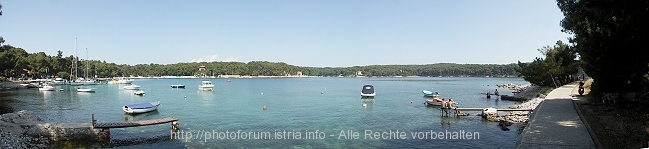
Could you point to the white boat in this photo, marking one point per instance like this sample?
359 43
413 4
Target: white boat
60 81
121 80
132 87
139 92
368 91
89 82
141 107
47 87
85 90
206 85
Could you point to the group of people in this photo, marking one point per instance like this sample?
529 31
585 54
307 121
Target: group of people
495 93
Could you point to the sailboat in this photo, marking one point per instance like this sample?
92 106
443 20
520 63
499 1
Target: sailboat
76 81
88 81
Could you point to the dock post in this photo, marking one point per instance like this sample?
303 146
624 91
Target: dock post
93 120
174 125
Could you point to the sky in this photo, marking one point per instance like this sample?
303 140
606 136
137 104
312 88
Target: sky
332 33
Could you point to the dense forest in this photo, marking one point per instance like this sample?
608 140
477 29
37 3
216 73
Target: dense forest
611 39
16 62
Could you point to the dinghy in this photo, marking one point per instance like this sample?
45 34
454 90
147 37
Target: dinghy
141 107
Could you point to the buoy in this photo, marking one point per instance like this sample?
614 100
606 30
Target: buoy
264 107
185 96
262 93
321 92
410 101
364 105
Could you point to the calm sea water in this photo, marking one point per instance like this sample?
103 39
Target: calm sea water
297 106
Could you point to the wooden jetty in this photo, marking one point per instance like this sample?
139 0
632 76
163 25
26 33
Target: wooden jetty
105 127
487 111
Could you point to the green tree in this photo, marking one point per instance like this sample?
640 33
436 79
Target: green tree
559 62
610 37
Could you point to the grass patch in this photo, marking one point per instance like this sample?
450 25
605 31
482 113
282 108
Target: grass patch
617 126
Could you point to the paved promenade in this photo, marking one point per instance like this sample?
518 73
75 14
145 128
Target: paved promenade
556 124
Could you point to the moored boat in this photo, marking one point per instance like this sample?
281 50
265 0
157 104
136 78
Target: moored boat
139 92
434 102
428 93
206 85
60 81
177 86
132 87
141 107
47 87
85 90
76 83
121 80
368 91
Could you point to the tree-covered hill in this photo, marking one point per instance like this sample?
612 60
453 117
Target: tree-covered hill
16 62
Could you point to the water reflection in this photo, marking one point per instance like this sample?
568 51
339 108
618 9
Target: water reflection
367 102
139 116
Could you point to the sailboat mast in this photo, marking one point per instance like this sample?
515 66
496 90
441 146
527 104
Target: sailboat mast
76 71
86 63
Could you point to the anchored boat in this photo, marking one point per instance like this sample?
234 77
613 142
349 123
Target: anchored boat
368 91
141 107
132 87
206 85
177 86
47 87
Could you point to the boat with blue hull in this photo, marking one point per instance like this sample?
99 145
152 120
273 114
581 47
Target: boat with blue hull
177 86
141 107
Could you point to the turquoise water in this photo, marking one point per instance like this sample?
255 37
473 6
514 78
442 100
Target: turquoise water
297 106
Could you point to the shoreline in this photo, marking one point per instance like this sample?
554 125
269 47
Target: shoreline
529 100
23 129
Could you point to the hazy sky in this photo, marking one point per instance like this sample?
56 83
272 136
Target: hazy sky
298 32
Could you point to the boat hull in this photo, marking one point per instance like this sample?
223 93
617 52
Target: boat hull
76 83
132 87
433 102
130 110
47 88
139 93
177 86
206 87
85 90
368 95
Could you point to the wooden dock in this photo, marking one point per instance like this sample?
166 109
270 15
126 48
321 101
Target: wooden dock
105 127
135 123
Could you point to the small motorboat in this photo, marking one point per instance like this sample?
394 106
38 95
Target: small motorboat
434 102
428 93
139 92
206 85
368 91
132 87
47 87
141 107
177 86
85 89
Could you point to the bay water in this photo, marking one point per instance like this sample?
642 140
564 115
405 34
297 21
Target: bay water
319 112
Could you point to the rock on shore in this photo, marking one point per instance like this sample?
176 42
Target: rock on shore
529 101
23 129
12 133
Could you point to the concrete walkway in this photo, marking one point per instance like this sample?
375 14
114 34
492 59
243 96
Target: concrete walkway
556 123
